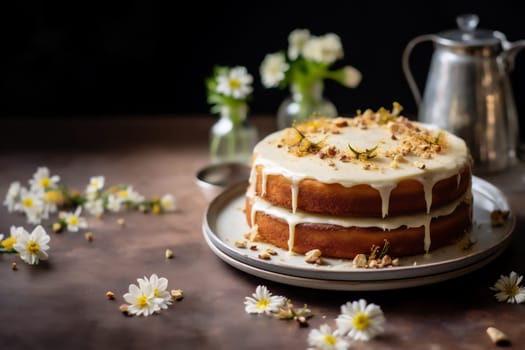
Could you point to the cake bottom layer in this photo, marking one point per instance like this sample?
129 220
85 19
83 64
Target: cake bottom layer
346 242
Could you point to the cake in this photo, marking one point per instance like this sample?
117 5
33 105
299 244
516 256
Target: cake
344 185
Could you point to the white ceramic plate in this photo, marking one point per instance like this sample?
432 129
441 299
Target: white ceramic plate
224 223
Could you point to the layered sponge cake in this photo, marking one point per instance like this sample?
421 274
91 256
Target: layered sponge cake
344 185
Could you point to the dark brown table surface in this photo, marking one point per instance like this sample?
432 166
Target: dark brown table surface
61 304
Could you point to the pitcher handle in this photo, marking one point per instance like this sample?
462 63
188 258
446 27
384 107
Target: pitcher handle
513 50
406 64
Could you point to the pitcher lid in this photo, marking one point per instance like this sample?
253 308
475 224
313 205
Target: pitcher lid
468 34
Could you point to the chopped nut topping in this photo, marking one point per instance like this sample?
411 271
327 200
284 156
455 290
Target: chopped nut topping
420 165
110 295
168 254
360 260
88 236
254 247
13 266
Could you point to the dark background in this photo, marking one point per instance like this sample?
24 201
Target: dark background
144 57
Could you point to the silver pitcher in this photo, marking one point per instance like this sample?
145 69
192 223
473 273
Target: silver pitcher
468 91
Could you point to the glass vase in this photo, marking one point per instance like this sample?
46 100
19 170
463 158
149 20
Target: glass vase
304 102
233 136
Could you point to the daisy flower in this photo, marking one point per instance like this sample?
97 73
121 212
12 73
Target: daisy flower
74 221
42 181
262 301
324 49
160 289
11 197
141 299
10 241
168 203
324 339
509 288
360 321
296 41
32 205
273 69
95 206
128 194
32 247
114 203
96 183
235 83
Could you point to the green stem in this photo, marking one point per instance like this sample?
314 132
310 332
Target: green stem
8 251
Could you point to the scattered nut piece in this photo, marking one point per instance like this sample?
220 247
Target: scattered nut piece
168 254
271 251
498 217
121 222
254 247
395 262
386 260
240 243
177 294
124 309
110 295
301 320
13 266
498 337
313 256
420 165
373 264
360 260
57 227
88 236
265 256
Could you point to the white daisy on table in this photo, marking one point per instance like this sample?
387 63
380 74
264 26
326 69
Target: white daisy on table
32 247
95 206
128 194
236 83
32 205
168 202
141 300
262 301
509 289
10 241
326 339
42 181
11 197
360 321
114 203
160 289
273 69
74 221
96 183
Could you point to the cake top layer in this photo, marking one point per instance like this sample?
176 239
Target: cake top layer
376 148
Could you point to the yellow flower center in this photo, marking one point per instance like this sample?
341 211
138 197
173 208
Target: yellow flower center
73 221
9 242
142 301
33 247
123 193
156 293
514 290
45 182
166 203
235 84
263 303
27 202
330 339
95 184
54 197
361 321
155 209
